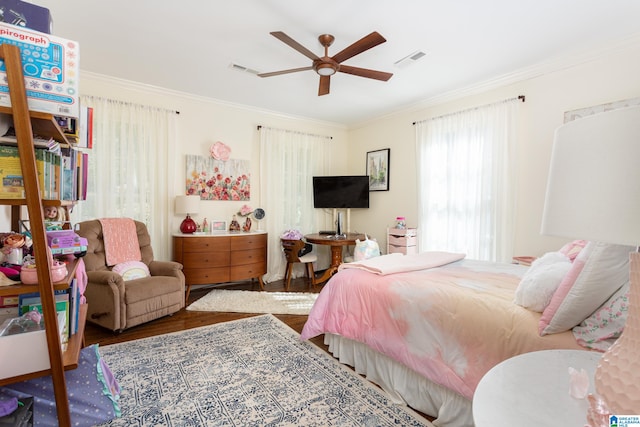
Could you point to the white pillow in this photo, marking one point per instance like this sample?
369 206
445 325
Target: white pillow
131 270
541 280
597 273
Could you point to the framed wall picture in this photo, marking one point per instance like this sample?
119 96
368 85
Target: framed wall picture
218 226
378 169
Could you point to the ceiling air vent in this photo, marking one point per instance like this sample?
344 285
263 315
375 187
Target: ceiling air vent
410 59
242 68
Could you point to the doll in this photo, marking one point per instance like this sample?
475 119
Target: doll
54 217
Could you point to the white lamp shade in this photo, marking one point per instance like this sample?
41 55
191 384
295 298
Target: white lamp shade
187 204
593 190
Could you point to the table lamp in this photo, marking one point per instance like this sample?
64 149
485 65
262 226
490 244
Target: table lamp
593 193
188 205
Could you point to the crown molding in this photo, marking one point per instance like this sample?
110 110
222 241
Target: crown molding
552 65
160 91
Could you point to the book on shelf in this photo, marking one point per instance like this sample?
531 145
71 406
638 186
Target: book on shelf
85 128
9 300
10 174
74 306
10 139
61 176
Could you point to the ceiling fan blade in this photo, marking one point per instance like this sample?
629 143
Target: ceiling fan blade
292 70
324 85
364 72
365 43
294 44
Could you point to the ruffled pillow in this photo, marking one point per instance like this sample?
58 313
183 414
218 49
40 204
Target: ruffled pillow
132 270
541 280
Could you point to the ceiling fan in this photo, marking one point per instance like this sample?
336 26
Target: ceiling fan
327 66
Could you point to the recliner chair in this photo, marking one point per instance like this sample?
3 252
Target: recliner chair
116 304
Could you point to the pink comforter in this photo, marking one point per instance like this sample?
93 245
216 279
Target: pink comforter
450 324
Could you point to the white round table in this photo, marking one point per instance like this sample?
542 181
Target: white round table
532 389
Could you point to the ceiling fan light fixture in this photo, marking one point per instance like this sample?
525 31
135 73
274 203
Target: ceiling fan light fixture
326 69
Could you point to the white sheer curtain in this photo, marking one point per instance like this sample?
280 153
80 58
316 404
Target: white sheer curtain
288 161
129 167
466 181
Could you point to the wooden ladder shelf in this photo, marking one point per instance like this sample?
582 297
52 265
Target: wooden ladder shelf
22 124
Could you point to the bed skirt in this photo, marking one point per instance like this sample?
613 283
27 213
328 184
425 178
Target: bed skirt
402 384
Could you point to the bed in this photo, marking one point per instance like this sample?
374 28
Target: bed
427 332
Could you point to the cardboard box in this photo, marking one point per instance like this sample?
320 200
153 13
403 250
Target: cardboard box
23 14
51 70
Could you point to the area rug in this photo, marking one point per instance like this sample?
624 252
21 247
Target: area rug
249 372
255 302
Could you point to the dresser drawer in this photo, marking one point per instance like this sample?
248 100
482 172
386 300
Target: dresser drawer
407 250
247 271
205 244
402 240
248 256
201 276
251 241
403 231
195 260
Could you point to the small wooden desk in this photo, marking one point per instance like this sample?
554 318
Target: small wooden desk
336 244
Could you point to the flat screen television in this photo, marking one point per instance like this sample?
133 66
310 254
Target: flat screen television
341 192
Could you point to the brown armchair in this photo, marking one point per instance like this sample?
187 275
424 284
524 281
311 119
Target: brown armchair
117 304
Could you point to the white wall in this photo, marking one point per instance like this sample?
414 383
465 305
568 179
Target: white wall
611 77
202 122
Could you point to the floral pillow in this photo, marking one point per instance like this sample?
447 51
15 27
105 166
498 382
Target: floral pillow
600 330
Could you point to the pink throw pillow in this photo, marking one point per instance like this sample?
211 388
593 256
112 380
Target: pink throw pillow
572 249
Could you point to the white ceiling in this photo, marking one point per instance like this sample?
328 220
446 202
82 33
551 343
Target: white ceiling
189 45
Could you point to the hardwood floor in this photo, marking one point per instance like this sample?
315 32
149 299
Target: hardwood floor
192 319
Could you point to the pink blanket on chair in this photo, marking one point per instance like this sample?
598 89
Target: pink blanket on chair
120 240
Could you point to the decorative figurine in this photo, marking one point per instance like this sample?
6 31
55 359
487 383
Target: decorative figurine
235 225
244 212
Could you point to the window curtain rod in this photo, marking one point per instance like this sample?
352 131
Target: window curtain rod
100 98
294 131
520 97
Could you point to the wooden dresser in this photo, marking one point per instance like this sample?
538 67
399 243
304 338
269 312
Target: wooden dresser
219 258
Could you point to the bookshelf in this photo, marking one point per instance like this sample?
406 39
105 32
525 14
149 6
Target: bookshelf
26 123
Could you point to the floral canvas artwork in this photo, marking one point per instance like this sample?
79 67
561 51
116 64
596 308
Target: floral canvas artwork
218 180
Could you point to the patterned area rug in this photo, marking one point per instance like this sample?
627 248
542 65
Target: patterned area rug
255 302
248 372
